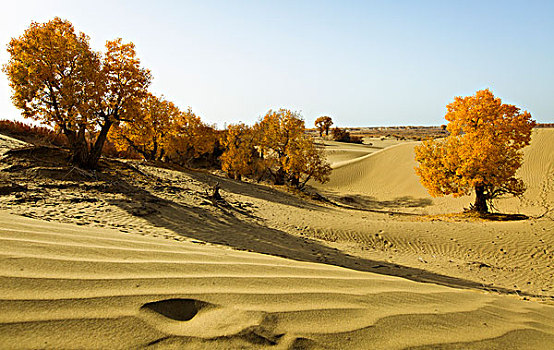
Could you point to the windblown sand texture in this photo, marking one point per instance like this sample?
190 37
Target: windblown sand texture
68 287
148 261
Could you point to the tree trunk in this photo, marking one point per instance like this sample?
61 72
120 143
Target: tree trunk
96 151
480 200
295 180
303 184
215 192
78 146
79 152
279 177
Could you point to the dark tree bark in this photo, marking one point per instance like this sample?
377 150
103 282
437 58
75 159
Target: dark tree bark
77 145
480 200
79 153
295 180
279 177
215 192
96 150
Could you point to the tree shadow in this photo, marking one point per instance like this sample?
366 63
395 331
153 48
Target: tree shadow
253 190
219 222
372 204
470 214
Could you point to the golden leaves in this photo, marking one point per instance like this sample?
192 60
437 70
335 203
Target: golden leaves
58 80
51 70
287 151
323 124
483 148
240 157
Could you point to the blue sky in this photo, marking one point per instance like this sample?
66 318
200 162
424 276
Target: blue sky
364 63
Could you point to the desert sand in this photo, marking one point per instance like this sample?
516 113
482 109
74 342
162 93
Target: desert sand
140 256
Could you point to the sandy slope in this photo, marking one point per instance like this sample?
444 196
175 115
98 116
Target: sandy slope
141 237
66 286
389 174
7 143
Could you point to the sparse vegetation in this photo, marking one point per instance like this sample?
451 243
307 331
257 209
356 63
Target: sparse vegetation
323 124
343 135
31 133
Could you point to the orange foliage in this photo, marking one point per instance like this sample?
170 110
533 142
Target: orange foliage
287 152
31 133
482 152
150 132
192 139
323 124
58 80
239 157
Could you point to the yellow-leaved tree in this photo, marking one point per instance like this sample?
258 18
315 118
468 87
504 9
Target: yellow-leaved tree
323 124
305 162
287 153
482 152
59 81
239 157
192 139
150 132
122 85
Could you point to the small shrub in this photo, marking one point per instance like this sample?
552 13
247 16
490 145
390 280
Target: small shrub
32 133
343 135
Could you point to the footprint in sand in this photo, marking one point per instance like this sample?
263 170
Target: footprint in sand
191 317
177 309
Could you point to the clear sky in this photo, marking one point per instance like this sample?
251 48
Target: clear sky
364 63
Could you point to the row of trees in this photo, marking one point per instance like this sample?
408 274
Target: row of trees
160 131
58 80
278 147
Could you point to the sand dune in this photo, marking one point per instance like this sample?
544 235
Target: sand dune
384 173
149 261
389 174
67 286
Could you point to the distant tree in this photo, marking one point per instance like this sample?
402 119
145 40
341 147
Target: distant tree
287 152
323 124
239 157
149 133
343 135
58 80
481 153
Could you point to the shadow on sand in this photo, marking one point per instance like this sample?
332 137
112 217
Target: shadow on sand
371 204
219 222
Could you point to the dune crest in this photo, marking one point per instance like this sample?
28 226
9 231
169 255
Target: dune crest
389 174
